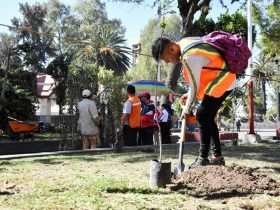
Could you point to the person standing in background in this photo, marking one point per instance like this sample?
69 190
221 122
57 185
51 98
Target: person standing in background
130 119
88 121
238 125
164 125
147 119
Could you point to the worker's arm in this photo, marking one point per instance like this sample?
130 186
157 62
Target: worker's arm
94 113
124 118
126 113
193 64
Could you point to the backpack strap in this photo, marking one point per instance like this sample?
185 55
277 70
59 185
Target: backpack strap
198 43
212 68
191 46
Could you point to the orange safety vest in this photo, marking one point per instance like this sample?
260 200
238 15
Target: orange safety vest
212 82
192 119
134 117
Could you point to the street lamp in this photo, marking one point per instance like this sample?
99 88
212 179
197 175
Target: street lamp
136 50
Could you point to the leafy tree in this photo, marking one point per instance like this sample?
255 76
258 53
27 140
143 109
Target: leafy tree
188 10
21 92
59 69
33 36
267 16
60 20
91 14
147 67
9 59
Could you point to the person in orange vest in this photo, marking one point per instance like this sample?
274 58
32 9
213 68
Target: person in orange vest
209 80
130 119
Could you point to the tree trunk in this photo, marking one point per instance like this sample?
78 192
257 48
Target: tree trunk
264 97
187 11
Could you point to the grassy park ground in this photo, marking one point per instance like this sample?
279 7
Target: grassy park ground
121 181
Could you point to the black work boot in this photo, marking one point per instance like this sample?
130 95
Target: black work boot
220 162
200 162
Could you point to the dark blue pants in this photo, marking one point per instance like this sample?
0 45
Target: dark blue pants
130 135
165 132
146 135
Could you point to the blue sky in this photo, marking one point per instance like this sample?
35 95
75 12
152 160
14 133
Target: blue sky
133 16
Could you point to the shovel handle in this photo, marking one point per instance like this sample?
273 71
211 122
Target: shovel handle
182 141
183 131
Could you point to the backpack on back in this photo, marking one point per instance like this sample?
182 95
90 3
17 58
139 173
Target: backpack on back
233 47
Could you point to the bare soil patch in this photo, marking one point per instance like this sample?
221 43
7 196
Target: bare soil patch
226 181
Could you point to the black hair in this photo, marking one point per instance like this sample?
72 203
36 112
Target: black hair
164 105
130 89
158 46
88 97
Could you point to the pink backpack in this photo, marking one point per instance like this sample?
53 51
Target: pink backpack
233 47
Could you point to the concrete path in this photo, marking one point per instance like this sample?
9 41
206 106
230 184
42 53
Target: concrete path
266 135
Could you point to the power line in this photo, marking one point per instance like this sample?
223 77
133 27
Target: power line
50 35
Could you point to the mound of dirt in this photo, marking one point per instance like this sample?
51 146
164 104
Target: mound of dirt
227 179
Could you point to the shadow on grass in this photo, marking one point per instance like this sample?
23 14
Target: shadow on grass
125 190
55 161
223 195
48 161
268 152
190 191
5 163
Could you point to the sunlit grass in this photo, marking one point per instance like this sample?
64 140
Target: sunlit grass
121 181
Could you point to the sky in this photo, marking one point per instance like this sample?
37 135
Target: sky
133 16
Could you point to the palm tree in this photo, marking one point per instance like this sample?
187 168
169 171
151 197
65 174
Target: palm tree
107 49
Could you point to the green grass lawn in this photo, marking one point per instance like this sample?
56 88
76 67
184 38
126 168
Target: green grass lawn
121 181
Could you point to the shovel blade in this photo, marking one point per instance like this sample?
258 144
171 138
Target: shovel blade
180 169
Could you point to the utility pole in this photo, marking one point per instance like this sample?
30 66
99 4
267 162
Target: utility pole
250 70
160 32
251 137
278 94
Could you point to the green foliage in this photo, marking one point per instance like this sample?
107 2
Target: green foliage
80 77
177 107
271 114
114 89
146 68
35 48
202 26
267 16
21 96
235 23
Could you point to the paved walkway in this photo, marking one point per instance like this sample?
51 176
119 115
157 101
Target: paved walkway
266 135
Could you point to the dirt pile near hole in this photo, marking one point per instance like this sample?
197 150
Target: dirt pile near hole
226 179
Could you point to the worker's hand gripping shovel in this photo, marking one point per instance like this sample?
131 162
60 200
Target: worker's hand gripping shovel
181 166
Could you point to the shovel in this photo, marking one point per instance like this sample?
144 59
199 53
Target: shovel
181 166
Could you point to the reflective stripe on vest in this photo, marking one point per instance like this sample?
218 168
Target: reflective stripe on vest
212 82
134 117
